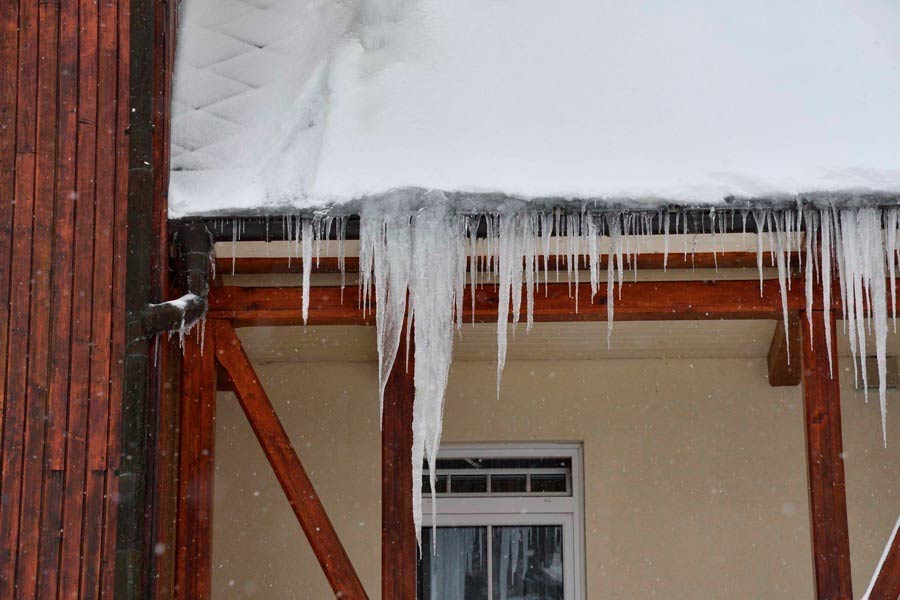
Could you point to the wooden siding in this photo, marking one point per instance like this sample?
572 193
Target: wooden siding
63 177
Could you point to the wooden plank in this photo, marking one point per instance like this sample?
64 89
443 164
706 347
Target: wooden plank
649 301
101 320
15 393
784 353
61 302
165 527
886 582
398 534
655 261
825 463
63 232
120 250
9 47
39 321
193 558
275 306
82 309
287 466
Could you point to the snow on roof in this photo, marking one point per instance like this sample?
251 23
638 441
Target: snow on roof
301 104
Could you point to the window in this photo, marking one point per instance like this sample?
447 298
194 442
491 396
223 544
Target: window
509 524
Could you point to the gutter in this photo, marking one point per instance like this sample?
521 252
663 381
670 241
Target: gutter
192 243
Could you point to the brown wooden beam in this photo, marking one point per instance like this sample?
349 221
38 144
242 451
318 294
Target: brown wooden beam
398 536
676 260
223 380
784 353
641 301
887 581
193 560
287 466
825 463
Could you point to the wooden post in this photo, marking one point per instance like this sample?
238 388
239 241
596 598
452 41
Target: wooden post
398 537
287 466
825 463
193 561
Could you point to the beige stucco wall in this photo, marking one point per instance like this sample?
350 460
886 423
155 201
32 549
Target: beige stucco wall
695 482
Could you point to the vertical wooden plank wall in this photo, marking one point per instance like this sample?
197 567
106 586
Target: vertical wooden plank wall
63 177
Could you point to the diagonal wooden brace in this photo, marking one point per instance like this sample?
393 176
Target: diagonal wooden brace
287 466
886 581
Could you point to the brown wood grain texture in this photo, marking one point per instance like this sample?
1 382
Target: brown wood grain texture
59 118
658 300
9 48
887 580
825 462
119 190
655 261
39 320
193 562
61 301
101 320
286 464
166 490
784 353
74 497
398 534
15 397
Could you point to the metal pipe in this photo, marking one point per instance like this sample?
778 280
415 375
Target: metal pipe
193 244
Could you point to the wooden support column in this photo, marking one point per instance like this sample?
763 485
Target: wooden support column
287 466
398 535
824 456
193 561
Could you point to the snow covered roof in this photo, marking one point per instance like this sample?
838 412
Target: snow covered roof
297 104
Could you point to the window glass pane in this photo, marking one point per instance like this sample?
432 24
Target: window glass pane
468 484
527 563
548 483
440 484
457 570
504 463
505 484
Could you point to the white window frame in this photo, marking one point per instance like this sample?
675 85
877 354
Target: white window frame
498 510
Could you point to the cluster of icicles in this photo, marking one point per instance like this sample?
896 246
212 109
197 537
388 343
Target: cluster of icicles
415 264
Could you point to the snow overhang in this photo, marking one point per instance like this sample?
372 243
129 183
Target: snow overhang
310 106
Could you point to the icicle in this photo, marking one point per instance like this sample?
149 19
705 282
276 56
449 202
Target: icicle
759 217
307 265
460 285
808 273
665 228
826 250
615 244
530 249
288 235
431 289
341 232
870 274
431 254
234 239
782 255
855 294
506 259
890 224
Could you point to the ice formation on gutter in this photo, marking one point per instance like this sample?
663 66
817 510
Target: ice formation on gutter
415 262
